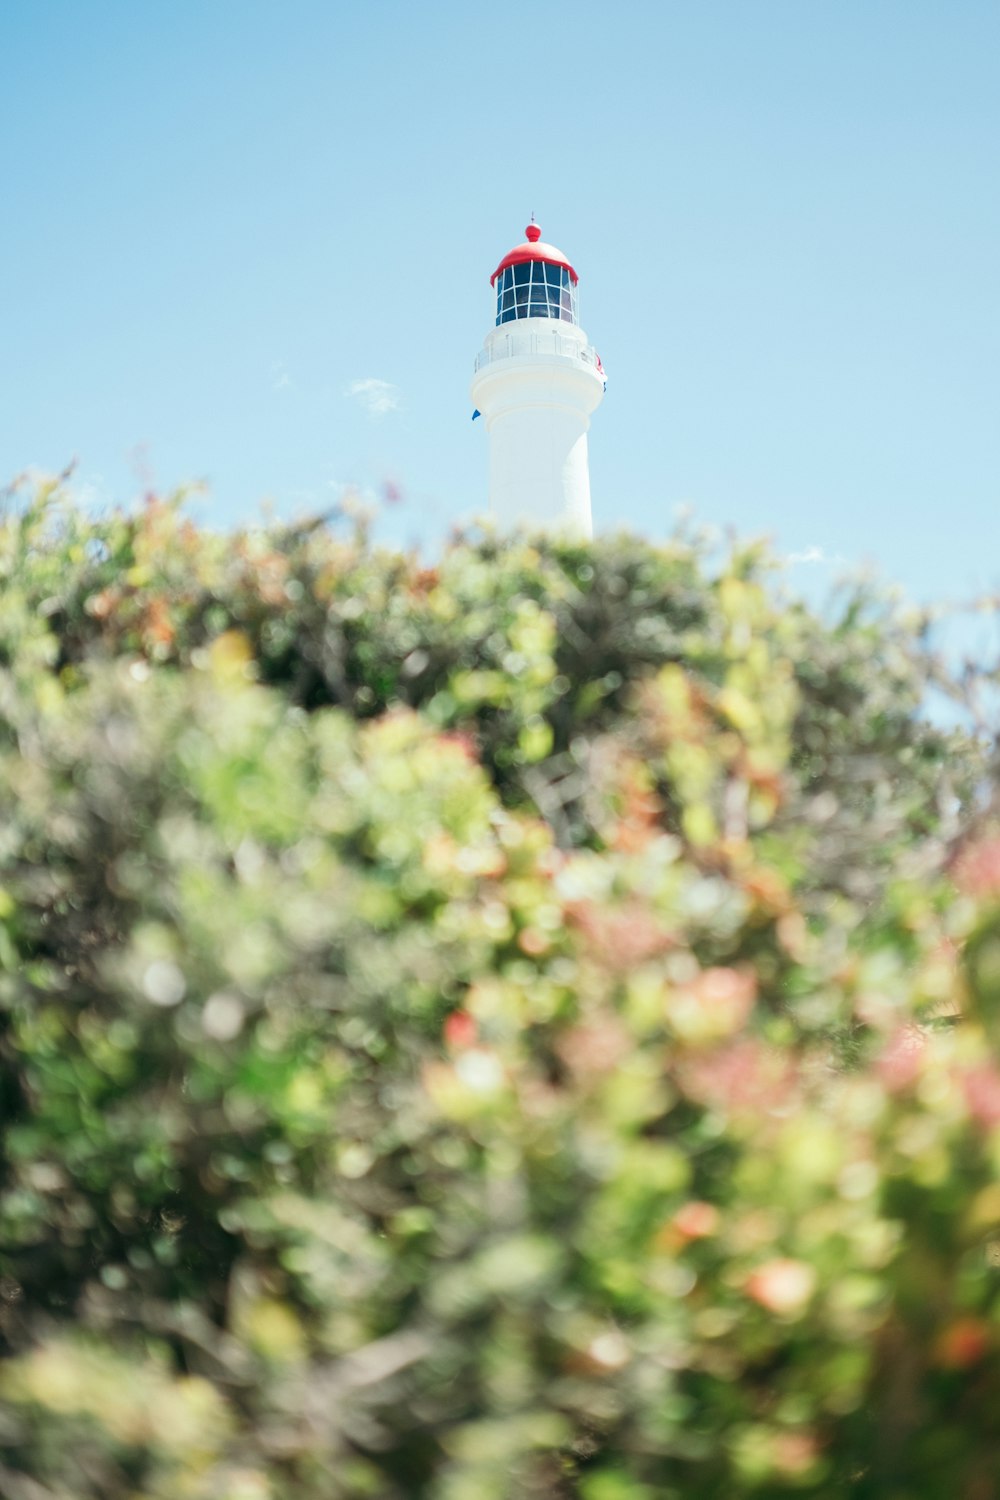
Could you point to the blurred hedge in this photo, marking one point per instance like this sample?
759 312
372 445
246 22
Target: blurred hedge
485 1029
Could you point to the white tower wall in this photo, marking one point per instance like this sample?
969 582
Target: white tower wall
536 389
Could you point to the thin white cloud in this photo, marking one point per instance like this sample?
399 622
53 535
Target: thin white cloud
280 377
378 397
817 556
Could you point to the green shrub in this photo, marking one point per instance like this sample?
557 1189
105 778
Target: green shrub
484 1029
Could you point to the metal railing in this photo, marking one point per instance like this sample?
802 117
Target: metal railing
517 345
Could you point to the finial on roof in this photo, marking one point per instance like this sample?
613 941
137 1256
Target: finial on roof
533 232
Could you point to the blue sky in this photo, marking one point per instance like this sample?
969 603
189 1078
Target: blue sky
223 217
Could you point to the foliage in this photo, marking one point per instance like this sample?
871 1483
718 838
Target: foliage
485 1029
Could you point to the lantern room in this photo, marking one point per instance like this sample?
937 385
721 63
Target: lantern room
535 280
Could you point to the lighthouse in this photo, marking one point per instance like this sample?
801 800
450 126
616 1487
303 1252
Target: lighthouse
537 380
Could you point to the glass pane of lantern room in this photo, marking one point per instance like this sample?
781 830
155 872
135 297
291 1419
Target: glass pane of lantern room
522 272
539 305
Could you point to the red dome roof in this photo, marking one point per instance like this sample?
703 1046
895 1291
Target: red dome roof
534 248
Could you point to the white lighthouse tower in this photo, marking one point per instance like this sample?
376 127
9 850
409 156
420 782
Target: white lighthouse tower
537 380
